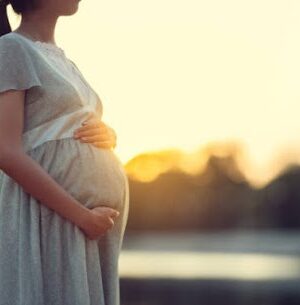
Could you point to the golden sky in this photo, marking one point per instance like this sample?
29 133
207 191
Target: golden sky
185 72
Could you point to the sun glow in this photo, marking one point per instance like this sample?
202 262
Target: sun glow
179 75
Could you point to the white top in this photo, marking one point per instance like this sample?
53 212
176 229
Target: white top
58 98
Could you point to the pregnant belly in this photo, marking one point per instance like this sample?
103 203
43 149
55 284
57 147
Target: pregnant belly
93 176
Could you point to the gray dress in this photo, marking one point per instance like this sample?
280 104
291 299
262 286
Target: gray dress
44 258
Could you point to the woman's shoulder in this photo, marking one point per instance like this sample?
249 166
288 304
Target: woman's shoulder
12 43
13 38
9 39
18 65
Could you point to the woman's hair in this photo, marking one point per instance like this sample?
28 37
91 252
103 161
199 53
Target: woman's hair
19 7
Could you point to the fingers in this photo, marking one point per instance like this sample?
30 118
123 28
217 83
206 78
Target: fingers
94 138
111 223
94 128
99 144
107 223
98 140
111 212
110 220
105 144
90 129
95 123
97 133
115 213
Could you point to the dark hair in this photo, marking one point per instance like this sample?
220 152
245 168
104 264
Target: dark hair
19 7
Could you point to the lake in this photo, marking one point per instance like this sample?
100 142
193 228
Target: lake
229 267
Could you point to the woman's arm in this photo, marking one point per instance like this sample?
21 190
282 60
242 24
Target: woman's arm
26 171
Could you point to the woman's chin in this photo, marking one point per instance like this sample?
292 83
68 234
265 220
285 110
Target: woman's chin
72 10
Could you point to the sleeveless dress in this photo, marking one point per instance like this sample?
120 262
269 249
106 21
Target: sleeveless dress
44 258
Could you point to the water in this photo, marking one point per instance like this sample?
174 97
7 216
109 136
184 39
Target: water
230 268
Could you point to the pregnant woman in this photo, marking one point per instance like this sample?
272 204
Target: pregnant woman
64 200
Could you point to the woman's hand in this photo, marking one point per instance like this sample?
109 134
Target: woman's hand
100 220
97 133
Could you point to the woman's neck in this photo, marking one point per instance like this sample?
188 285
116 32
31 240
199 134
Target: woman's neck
36 27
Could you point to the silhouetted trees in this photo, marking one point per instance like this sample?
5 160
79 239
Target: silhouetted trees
218 198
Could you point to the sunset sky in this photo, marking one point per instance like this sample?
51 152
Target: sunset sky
183 73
